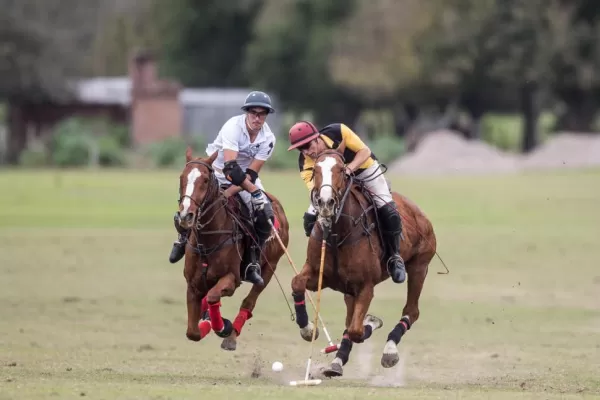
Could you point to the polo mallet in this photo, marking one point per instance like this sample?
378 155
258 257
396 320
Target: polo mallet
306 381
332 347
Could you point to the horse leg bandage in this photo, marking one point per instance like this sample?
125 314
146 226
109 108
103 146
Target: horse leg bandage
300 306
204 327
214 310
203 307
368 330
345 347
243 316
399 330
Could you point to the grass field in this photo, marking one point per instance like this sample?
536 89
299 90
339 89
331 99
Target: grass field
90 306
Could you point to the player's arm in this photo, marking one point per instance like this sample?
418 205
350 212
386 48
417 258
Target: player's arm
354 143
232 171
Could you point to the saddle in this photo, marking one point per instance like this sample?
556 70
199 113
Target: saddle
238 209
360 188
244 224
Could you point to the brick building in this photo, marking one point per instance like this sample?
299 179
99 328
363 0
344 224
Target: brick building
154 108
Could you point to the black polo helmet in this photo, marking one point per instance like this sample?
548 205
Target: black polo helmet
258 99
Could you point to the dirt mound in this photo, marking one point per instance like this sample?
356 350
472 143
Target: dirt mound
565 150
446 152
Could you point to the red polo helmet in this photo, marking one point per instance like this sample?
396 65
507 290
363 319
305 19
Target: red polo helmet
301 133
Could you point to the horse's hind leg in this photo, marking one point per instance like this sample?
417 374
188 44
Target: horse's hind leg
248 304
417 271
299 283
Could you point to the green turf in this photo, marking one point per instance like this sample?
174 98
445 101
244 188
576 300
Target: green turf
90 306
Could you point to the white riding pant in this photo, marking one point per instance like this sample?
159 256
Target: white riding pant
244 194
378 187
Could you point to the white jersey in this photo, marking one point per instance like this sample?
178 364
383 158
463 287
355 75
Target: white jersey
234 136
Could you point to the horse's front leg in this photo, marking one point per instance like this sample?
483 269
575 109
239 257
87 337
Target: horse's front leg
196 329
195 299
248 304
370 323
299 283
224 287
358 330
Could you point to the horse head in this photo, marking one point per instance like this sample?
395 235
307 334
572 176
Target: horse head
196 186
330 181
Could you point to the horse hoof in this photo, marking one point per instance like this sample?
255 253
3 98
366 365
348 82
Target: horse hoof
307 332
333 371
229 343
390 357
389 360
375 321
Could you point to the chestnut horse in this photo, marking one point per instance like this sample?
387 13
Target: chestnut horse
218 236
355 257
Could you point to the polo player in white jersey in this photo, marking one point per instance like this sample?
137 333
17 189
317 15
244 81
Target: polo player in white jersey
244 143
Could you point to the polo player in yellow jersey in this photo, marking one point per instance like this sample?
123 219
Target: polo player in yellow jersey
363 165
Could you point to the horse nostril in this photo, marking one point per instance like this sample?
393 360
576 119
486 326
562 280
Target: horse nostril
319 202
188 217
330 203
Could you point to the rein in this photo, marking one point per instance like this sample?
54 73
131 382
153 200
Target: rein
361 219
213 199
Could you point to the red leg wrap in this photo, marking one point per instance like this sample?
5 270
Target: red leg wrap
216 320
204 305
205 328
243 316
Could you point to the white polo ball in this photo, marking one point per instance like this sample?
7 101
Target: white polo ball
277 366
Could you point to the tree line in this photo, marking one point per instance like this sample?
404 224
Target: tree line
333 58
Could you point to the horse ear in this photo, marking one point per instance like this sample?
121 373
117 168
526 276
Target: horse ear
188 154
212 158
340 149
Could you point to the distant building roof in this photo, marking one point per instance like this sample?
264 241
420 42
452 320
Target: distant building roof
104 90
212 96
117 90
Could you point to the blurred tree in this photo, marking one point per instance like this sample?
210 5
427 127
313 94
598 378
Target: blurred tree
373 51
122 28
41 45
576 81
530 33
41 48
486 48
204 41
290 56
375 56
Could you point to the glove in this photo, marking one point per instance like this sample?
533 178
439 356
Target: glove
260 203
348 172
258 200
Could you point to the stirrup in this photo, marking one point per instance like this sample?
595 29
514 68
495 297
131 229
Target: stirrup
251 269
177 251
393 268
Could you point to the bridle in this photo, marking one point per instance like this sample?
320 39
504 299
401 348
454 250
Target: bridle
213 189
339 196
